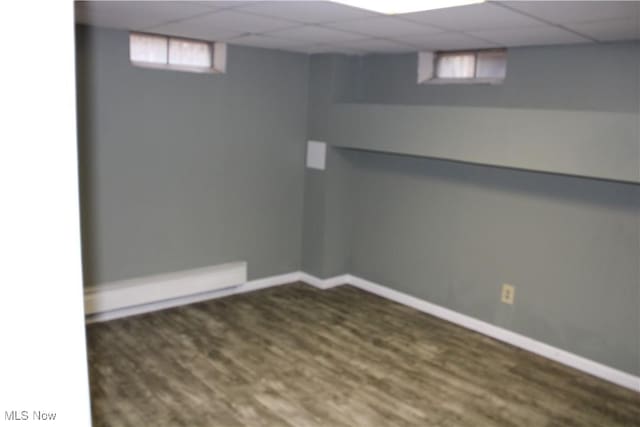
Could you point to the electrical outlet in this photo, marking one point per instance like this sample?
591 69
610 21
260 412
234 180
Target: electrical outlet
508 294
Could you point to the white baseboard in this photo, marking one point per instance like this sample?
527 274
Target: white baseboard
324 283
566 358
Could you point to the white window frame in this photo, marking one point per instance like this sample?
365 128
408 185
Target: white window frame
218 56
428 65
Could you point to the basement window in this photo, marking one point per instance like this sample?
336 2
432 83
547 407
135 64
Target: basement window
175 53
480 66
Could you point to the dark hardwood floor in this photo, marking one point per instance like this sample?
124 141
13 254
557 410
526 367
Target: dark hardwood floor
297 356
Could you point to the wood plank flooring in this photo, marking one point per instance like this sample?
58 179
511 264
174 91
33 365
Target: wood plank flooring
297 356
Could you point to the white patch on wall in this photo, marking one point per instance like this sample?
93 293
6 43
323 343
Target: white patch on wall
220 57
316 155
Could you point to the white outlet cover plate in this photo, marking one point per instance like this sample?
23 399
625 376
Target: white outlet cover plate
316 155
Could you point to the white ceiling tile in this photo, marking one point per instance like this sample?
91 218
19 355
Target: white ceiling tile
267 42
221 25
608 30
210 34
384 26
344 28
530 36
313 12
244 22
563 12
344 50
377 46
472 17
446 41
134 15
224 4
314 49
197 28
315 34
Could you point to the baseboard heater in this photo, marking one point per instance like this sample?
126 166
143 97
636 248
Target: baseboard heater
164 287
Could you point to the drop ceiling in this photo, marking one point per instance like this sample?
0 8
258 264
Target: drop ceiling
322 26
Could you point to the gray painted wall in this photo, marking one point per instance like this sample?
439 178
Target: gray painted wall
582 143
327 226
590 77
564 109
452 233
183 170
